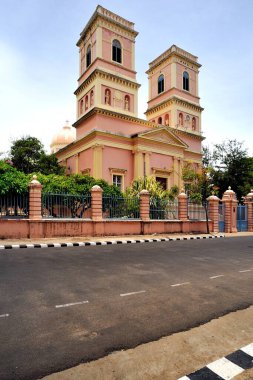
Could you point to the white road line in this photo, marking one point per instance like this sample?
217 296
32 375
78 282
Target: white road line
183 283
71 304
248 349
4 315
244 271
184 378
132 293
225 368
219 275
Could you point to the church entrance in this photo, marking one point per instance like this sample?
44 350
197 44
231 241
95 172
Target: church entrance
162 181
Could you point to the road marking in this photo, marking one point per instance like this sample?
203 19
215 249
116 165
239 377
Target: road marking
248 349
225 368
71 304
183 283
132 293
244 271
4 315
219 275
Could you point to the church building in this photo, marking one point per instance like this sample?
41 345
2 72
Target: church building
111 141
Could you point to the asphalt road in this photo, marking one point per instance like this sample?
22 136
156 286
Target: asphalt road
63 306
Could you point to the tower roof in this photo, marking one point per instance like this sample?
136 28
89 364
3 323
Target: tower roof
108 16
173 50
64 137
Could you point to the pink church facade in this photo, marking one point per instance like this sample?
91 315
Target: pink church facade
111 141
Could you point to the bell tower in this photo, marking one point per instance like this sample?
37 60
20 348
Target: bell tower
107 77
173 91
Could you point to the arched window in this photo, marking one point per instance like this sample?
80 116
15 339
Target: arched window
181 120
160 120
108 96
81 107
194 124
127 103
160 84
167 120
91 98
88 56
186 81
116 51
153 121
86 102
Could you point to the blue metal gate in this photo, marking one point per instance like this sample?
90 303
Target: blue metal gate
242 218
222 217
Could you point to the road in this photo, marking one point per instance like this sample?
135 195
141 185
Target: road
63 306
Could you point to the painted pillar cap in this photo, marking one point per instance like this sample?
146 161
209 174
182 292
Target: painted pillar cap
213 198
144 192
96 188
35 181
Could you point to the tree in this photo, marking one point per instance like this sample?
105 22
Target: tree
229 165
11 180
28 156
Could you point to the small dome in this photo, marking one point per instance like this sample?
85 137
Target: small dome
63 138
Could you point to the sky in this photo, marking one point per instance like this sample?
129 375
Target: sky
39 61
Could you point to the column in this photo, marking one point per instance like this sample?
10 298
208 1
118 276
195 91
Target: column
98 161
213 204
144 205
138 164
182 206
96 203
35 189
249 203
230 201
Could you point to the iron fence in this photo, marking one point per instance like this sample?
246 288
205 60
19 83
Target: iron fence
197 211
120 207
163 209
14 205
66 206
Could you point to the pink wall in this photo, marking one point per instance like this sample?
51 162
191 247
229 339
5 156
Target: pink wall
86 160
188 124
161 161
71 163
117 159
18 229
115 102
193 143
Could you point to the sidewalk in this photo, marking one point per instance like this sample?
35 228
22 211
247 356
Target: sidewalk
174 356
125 238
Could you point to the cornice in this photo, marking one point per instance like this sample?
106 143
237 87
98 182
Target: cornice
173 100
105 75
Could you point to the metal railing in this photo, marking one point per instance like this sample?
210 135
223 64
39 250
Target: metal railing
66 206
120 207
14 205
163 209
197 211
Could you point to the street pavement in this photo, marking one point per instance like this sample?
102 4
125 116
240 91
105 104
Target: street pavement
63 306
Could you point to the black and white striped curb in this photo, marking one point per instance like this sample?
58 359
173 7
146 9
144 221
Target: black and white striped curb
225 368
106 242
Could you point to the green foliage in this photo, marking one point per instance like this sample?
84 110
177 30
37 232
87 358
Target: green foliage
229 165
76 184
11 180
28 156
154 188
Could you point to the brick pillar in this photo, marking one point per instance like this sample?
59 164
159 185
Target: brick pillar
35 189
249 202
230 201
144 205
182 206
213 205
96 203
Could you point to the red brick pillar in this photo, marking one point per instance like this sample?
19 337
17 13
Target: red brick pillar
144 205
230 201
213 206
249 202
182 206
96 203
35 189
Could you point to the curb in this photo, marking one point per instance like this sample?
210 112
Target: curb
227 367
106 242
